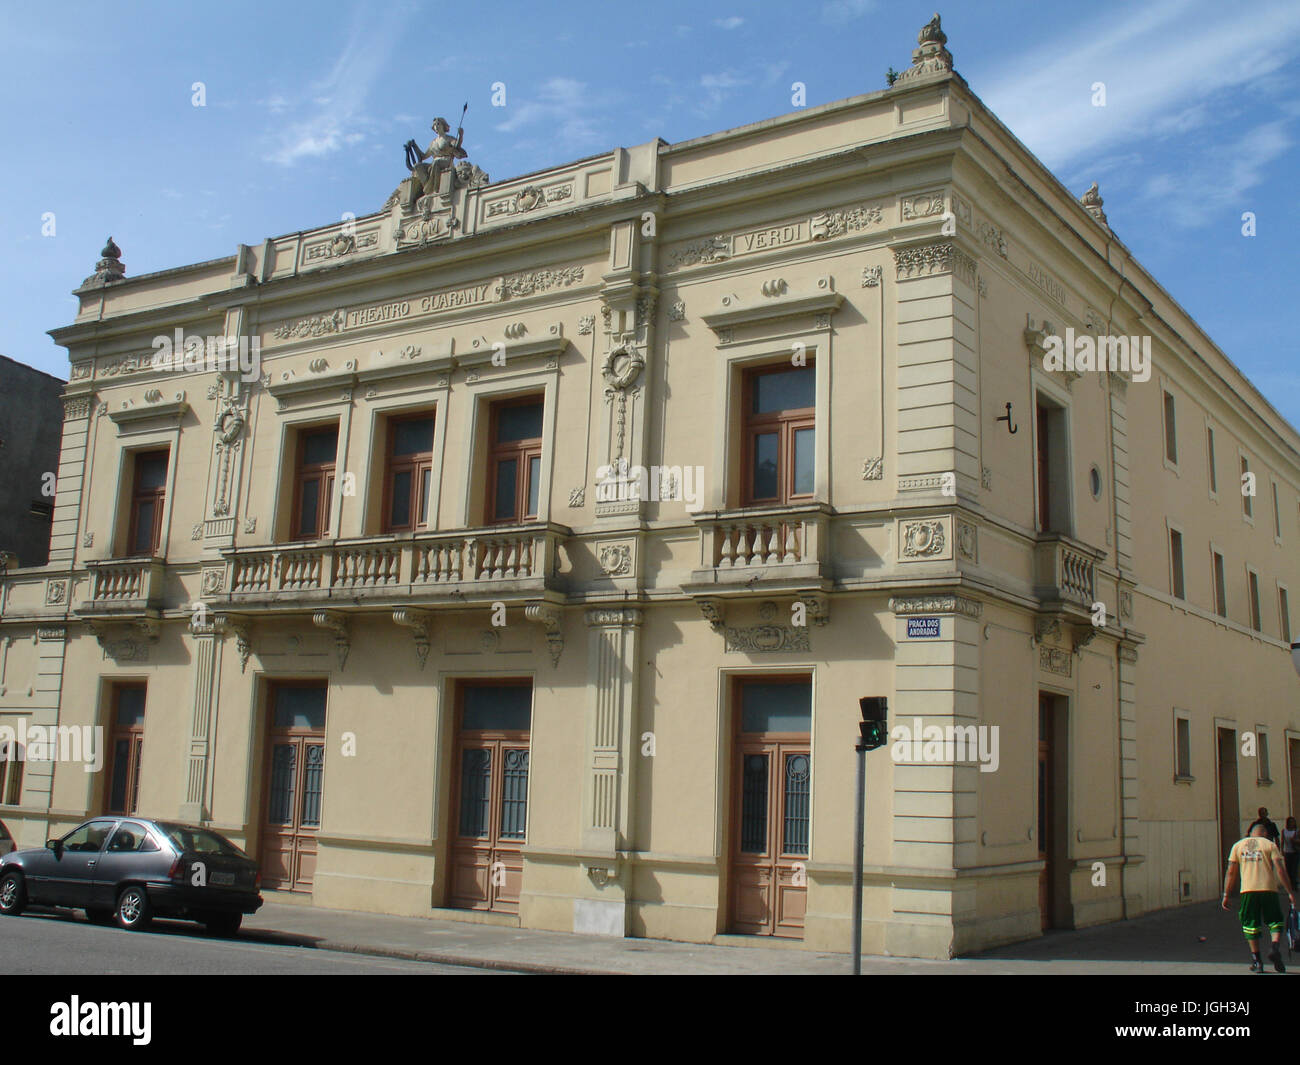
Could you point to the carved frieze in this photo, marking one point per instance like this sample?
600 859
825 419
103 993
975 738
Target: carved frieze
767 639
925 260
936 604
317 326
531 282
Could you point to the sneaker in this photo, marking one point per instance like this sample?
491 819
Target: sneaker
1256 966
1276 958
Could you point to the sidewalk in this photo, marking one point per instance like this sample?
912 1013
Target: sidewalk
1196 939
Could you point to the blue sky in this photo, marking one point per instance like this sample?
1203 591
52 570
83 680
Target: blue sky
308 106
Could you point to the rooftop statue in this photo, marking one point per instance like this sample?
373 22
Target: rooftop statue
444 156
428 166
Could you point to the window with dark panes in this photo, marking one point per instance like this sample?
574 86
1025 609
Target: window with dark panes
11 772
409 477
515 460
148 492
314 484
779 434
125 748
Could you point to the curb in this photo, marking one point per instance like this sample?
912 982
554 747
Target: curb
292 939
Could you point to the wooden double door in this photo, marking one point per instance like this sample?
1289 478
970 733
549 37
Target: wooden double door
771 806
490 806
295 786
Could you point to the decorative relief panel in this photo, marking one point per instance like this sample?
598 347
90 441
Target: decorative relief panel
967 541
1055 660
924 540
615 558
768 639
921 205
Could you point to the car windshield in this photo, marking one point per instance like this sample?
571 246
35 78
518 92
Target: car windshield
199 840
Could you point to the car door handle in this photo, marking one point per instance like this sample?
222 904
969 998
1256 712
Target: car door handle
90 863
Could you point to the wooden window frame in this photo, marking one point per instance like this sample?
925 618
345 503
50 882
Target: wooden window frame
157 496
134 735
786 423
302 473
413 464
522 450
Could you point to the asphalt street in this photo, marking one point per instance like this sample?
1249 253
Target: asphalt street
60 944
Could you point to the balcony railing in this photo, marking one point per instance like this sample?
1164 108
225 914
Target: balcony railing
776 545
1065 570
127 583
427 563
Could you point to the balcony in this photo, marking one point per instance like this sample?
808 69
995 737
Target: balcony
123 586
774 548
474 564
1065 571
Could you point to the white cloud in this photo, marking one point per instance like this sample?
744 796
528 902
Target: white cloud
564 110
1219 181
332 109
717 87
841 11
731 22
1158 64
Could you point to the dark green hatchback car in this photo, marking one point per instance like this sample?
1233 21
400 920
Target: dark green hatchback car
132 869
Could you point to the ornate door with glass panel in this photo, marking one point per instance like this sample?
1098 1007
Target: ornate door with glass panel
490 806
295 777
771 813
126 748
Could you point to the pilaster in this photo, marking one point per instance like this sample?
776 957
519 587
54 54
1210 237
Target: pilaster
613 643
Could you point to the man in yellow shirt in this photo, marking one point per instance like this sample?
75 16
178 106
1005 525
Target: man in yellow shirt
1257 863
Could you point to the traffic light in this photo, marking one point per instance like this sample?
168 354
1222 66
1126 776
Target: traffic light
873 726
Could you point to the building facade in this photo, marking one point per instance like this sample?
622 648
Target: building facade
31 423
527 555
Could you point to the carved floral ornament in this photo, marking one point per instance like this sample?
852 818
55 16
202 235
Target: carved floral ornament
621 367
922 539
925 260
936 604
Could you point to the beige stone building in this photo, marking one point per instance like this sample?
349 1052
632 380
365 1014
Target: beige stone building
531 566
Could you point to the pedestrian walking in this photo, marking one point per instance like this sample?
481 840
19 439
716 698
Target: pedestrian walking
1270 829
1256 863
1291 848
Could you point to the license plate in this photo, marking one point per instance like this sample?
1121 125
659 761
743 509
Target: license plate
223 879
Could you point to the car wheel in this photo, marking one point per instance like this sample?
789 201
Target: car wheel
224 924
99 916
133 910
13 894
